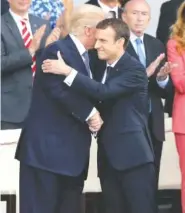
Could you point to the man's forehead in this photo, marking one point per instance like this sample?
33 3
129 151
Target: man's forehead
104 34
138 5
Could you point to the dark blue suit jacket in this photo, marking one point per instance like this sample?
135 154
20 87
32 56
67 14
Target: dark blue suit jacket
123 104
56 137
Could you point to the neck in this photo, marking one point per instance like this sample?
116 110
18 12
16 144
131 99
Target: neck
116 58
110 4
19 13
83 41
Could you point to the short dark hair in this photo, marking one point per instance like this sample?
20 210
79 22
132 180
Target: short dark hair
120 27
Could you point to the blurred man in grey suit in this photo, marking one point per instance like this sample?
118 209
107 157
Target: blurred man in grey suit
19 56
4 6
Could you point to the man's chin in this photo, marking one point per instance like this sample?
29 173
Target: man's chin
102 57
139 31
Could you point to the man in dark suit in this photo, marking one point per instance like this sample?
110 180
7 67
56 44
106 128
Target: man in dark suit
146 49
4 6
125 154
167 18
54 145
17 59
108 6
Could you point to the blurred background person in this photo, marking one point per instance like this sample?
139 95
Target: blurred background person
146 49
122 3
176 53
22 35
110 7
167 18
4 6
47 9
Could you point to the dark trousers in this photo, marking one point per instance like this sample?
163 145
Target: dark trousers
45 192
131 191
157 146
8 125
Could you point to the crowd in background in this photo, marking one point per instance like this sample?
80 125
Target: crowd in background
163 57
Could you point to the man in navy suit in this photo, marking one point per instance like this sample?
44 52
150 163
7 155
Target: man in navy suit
53 148
125 154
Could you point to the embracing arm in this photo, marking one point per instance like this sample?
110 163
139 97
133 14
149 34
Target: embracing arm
78 105
125 82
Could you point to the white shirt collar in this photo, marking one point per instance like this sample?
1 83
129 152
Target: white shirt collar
18 18
133 37
114 64
106 8
78 44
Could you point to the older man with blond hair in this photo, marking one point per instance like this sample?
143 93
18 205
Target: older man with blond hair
53 149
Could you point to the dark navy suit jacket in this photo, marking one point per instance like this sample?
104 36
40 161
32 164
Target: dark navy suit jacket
123 104
56 137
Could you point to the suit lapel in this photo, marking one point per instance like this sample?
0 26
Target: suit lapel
131 51
14 29
77 62
148 51
119 66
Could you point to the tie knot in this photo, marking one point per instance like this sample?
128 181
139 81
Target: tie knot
138 41
109 68
23 21
86 56
112 13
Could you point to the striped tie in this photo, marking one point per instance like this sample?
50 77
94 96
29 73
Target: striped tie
27 38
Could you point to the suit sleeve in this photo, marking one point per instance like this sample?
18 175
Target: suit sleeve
126 83
153 85
76 104
13 61
178 73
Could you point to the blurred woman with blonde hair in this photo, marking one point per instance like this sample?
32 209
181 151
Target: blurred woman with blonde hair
176 54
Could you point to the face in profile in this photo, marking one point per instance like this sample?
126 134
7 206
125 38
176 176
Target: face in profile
106 45
90 33
20 6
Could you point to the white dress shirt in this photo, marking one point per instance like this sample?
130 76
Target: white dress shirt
106 9
18 20
105 73
70 78
133 38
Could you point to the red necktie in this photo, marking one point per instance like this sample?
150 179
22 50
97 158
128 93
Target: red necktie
26 36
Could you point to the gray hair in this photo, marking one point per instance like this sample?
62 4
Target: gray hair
85 15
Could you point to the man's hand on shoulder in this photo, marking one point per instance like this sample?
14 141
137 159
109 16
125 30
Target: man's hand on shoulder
56 66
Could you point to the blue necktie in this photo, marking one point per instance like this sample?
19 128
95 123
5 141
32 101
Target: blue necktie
140 52
142 59
86 62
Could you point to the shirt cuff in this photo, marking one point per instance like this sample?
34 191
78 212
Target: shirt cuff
93 112
71 77
163 83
